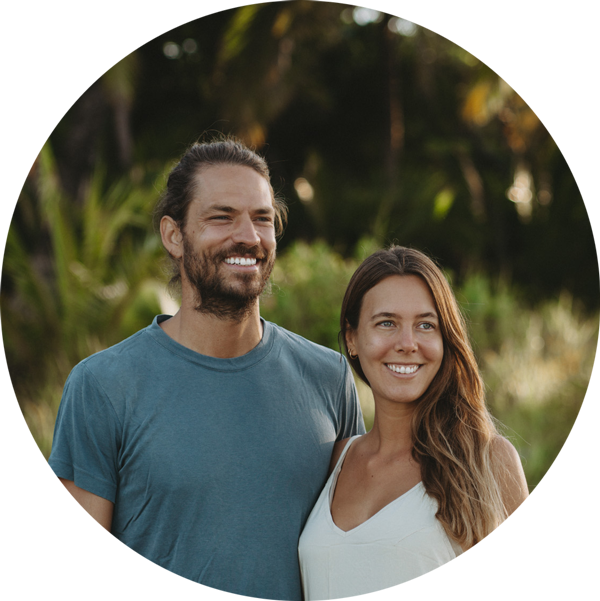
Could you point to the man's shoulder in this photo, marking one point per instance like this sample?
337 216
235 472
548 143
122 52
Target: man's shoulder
303 347
118 357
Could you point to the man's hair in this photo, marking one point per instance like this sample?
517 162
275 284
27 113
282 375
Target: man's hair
182 184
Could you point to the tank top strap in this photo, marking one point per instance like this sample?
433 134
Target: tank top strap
341 459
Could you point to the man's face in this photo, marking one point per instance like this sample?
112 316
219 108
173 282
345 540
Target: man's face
229 240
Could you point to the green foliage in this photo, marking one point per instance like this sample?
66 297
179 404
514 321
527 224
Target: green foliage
309 282
536 363
78 280
528 354
402 136
493 311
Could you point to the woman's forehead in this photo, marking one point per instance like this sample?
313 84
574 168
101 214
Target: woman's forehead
399 294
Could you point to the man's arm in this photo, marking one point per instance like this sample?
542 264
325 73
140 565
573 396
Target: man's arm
79 525
350 416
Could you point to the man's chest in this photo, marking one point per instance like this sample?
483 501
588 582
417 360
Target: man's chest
226 441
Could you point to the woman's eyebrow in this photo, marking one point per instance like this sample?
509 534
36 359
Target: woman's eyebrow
419 316
383 314
428 314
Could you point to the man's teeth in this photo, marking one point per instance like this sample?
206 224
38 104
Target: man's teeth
403 369
240 261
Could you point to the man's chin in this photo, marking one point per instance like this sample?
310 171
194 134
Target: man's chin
236 291
227 304
228 293
244 284
244 293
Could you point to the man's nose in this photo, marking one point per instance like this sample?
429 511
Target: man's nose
245 232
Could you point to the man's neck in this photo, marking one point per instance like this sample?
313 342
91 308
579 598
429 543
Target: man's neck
212 336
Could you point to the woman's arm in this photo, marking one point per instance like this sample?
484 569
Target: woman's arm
511 578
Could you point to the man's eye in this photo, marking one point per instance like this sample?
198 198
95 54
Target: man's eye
386 324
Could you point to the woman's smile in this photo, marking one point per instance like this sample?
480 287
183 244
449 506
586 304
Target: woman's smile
398 339
402 369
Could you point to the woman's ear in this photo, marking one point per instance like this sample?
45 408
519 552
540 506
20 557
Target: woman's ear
351 341
171 236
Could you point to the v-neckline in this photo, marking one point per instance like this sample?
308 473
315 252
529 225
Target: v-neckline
336 474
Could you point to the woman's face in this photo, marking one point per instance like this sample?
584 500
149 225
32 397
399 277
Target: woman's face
398 339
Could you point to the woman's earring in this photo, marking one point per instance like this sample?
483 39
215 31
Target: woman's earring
351 355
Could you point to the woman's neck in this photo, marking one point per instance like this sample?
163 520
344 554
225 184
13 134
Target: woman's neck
392 428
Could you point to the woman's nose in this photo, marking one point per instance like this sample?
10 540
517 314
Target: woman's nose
405 340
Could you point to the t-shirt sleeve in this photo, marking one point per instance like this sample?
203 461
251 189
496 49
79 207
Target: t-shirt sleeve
86 436
351 418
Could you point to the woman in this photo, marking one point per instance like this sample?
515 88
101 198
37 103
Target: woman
433 476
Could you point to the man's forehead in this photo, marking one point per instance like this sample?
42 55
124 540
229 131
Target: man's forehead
223 185
202 206
206 174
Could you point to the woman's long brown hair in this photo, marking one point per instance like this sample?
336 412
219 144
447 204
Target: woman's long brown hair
452 429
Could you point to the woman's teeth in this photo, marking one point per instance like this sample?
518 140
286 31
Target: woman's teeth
403 369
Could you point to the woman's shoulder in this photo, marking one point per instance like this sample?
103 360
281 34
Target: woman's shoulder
503 450
506 462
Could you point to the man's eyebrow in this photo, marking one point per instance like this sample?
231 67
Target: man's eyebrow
220 208
231 210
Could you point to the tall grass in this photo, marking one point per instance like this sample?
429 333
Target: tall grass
536 363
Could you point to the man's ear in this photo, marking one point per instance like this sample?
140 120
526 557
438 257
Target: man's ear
172 237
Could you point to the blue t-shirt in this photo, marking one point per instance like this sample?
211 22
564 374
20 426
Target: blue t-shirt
213 464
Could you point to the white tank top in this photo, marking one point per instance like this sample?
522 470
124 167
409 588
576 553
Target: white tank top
400 542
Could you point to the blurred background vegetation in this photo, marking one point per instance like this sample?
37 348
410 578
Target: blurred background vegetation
376 131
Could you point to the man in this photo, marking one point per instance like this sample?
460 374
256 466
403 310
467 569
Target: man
203 440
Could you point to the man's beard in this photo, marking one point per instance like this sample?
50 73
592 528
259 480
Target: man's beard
214 295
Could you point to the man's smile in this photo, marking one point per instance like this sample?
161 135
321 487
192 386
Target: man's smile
241 261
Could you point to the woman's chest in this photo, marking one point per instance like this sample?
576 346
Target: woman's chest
363 489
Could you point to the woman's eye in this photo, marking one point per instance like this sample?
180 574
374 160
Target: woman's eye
427 326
